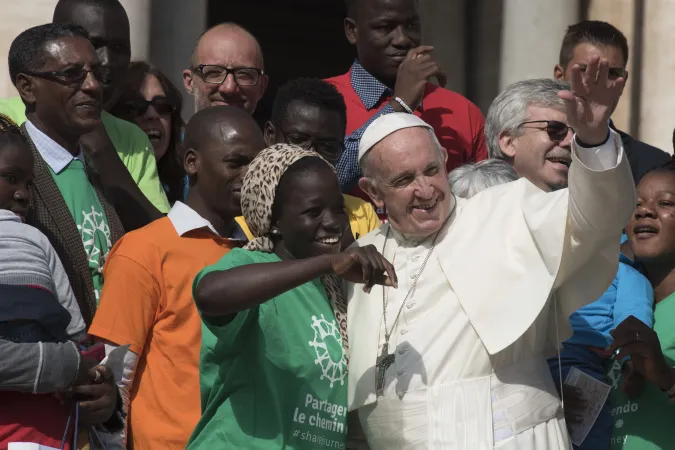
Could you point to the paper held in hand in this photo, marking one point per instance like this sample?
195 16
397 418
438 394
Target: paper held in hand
114 361
595 394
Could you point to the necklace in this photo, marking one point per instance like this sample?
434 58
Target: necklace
385 360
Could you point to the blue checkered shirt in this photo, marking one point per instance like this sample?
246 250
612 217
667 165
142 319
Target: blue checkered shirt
370 90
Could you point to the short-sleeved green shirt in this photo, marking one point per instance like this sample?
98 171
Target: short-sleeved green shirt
275 377
132 145
645 423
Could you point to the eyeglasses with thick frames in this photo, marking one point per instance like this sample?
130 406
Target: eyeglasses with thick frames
556 130
243 76
72 76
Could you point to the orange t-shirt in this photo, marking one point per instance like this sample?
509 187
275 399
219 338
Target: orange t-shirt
147 302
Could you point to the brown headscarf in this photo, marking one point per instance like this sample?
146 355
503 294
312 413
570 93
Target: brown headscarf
258 192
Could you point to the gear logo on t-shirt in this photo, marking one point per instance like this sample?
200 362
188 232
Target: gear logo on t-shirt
93 225
330 353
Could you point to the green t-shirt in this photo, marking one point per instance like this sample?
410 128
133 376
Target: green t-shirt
89 216
275 377
646 423
131 143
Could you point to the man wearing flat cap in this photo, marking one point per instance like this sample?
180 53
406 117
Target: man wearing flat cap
455 357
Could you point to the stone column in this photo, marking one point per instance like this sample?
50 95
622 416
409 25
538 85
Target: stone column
16 17
484 53
531 36
176 25
443 26
657 103
139 19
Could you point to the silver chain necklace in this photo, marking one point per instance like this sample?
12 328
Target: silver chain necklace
385 360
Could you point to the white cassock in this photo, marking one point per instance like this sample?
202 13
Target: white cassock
470 345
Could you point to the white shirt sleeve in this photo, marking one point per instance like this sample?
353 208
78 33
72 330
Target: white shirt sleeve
603 157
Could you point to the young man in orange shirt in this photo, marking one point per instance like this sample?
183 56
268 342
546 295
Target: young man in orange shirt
147 300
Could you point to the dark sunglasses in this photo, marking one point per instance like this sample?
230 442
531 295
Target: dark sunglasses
138 107
557 131
72 76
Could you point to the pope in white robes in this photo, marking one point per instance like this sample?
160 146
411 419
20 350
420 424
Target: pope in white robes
455 357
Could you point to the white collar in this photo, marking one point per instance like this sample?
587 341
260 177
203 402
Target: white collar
53 153
186 219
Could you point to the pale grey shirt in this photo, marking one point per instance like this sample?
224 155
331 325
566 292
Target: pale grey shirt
28 258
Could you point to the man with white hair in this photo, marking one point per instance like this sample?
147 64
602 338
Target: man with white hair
527 127
455 357
470 179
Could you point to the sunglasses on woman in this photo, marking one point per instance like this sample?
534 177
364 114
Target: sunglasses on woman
138 107
556 130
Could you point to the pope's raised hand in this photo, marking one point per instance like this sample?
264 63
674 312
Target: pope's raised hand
591 99
364 265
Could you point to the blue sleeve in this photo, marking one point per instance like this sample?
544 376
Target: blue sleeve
348 168
634 297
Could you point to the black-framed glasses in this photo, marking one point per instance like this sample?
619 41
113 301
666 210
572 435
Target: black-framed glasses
72 76
138 106
613 73
556 130
243 76
321 146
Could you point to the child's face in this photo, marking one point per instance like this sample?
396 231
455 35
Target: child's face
651 230
16 177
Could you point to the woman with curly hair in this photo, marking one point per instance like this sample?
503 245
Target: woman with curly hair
149 99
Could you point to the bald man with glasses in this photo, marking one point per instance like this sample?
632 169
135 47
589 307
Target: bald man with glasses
227 68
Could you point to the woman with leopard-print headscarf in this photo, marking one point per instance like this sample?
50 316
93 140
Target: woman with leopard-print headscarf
274 354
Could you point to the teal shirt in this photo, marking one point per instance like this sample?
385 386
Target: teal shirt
275 377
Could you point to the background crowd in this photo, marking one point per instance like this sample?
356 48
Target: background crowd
122 225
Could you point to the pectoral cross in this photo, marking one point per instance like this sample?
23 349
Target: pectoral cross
383 362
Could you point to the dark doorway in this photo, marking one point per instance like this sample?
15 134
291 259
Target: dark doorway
300 38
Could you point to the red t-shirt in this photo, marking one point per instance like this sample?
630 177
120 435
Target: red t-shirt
457 122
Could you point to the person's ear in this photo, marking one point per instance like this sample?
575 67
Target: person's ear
558 72
351 31
507 144
26 88
270 134
368 186
191 162
188 79
444 153
264 82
